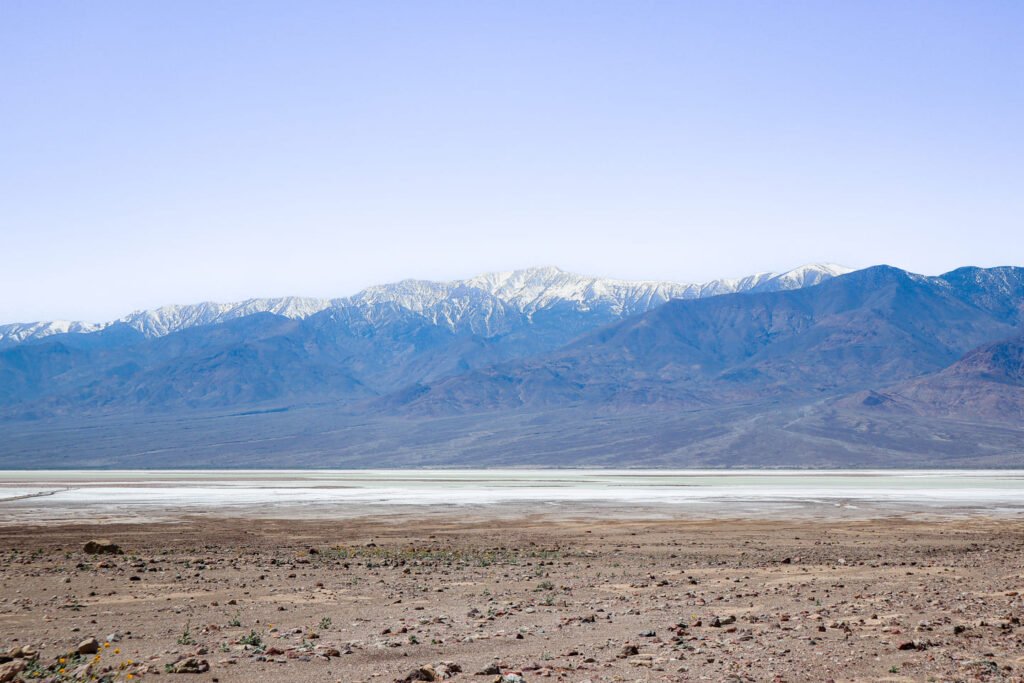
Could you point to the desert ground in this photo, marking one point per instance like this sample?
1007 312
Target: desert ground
472 598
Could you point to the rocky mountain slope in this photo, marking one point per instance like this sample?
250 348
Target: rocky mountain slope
986 384
480 304
864 329
875 368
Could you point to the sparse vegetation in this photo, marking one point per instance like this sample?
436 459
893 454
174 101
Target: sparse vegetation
186 636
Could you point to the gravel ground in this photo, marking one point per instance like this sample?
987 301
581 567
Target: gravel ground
472 598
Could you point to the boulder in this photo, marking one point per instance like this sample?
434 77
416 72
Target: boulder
432 672
102 547
190 665
423 673
629 651
11 669
89 646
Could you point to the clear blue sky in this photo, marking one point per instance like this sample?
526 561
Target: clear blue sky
158 152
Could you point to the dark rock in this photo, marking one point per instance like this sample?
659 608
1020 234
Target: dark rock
190 665
11 669
102 547
629 651
89 646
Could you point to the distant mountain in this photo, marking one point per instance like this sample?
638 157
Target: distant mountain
211 356
986 384
860 330
15 333
480 304
873 368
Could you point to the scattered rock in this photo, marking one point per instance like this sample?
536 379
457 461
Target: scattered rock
102 547
189 665
11 669
432 672
89 646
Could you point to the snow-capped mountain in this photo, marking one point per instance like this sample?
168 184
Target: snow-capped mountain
167 319
543 367
15 333
481 304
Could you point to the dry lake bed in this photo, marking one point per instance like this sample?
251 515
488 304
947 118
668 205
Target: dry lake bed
572 575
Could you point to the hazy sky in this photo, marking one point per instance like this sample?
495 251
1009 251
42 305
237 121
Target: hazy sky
158 152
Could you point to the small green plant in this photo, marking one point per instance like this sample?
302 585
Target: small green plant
545 586
186 636
413 640
325 623
253 639
235 622
894 669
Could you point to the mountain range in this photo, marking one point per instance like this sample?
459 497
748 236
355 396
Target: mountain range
819 366
468 303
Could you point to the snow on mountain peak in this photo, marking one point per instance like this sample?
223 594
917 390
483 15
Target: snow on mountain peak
482 300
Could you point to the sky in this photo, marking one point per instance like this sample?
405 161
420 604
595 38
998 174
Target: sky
173 152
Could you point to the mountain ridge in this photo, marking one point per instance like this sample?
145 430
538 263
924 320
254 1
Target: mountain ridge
525 291
874 368
867 327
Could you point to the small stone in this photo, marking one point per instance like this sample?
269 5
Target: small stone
89 646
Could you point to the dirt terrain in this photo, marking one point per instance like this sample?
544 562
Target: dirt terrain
474 599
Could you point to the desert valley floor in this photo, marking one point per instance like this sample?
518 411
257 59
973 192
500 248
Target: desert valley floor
474 597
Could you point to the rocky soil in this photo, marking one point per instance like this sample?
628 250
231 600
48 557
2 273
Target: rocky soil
452 598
